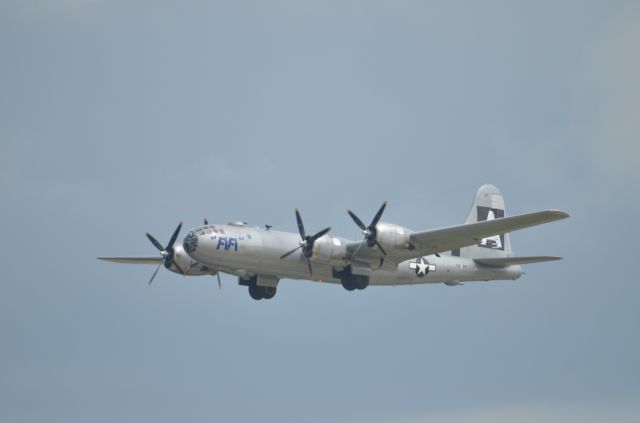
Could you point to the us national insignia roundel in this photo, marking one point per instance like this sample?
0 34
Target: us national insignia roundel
422 267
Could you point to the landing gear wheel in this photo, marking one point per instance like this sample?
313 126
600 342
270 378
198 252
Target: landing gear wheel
262 292
255 292
268 292
354 282
347 283
361 282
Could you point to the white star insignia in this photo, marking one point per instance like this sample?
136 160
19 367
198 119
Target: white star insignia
422 267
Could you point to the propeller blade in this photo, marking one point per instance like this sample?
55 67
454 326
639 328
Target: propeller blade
319 234
375 220
155 242
355 253
287 254
309 265
357 220
381 249
155 273
174 237
219 283
177 266
300 225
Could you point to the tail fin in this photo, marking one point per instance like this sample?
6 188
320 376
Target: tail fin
487 205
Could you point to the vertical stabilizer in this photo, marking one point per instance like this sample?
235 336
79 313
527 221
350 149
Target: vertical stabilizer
487 205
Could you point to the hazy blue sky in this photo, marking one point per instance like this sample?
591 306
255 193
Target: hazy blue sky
120 117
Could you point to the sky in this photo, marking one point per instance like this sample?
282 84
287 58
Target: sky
120 117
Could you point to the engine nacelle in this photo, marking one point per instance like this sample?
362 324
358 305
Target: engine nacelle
392 236
330 250
187 264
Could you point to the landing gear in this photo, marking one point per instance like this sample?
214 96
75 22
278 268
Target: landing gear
347 284
268 292
360 281
262 292
350 281
256 291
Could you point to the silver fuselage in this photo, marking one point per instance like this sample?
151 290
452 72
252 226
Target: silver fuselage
247 251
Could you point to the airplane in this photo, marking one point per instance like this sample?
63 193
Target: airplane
388 254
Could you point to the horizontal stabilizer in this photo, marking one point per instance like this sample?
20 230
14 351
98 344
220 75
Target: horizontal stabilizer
508 261
133 260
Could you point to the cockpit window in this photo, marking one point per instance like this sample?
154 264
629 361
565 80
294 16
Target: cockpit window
190 242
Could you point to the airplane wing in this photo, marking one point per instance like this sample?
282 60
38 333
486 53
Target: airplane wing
133 260
446 239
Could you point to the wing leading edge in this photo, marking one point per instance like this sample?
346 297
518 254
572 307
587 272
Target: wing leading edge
508 261
133 260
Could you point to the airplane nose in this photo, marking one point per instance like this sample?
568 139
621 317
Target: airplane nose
190 242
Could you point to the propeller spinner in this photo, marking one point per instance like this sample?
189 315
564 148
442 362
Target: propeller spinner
306 244
167 253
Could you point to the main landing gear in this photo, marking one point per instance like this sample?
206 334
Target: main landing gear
256 291
350 281
262 292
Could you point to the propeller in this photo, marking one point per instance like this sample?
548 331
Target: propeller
167 253
306 244
370 232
